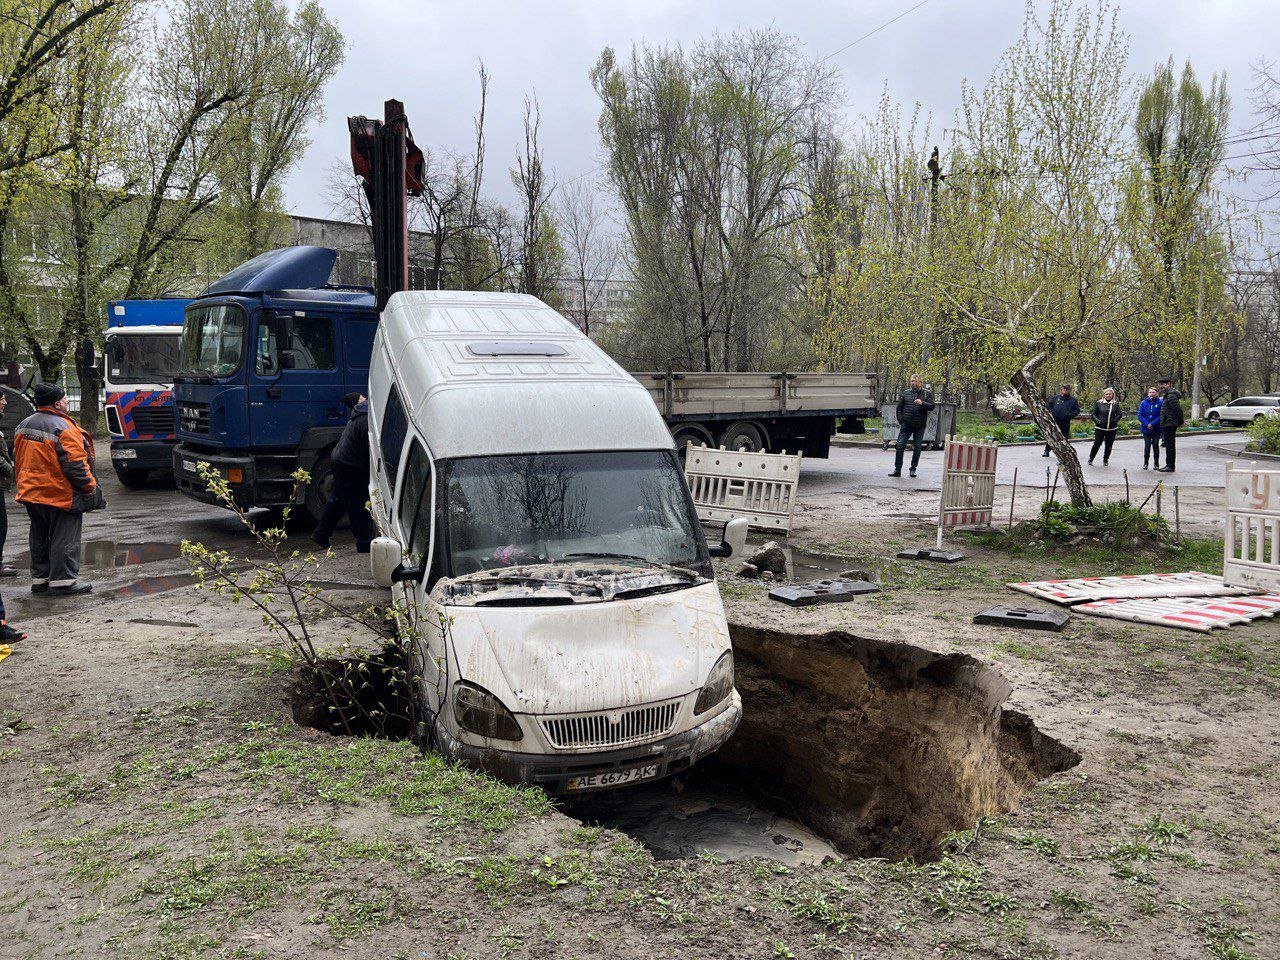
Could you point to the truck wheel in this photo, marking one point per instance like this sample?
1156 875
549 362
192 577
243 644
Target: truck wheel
744 436
318 490
132 478
686 433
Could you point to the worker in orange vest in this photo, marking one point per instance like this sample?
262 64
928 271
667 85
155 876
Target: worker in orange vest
54 461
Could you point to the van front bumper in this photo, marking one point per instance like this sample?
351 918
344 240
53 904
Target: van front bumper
553 772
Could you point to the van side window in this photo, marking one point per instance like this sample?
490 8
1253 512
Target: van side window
415 501
395 427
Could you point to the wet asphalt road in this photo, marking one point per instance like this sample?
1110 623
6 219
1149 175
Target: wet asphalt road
851 468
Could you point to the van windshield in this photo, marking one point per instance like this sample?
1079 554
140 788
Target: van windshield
212 341
630 506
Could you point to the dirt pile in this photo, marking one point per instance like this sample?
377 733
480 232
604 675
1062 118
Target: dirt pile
881 747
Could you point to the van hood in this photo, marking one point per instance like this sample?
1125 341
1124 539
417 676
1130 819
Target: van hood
580 657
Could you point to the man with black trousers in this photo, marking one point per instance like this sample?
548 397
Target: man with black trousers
1171 418
1063 408
913 415
350 460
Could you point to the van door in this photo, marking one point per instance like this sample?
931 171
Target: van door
294 382
414 519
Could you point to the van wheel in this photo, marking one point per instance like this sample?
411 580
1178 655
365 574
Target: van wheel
318 490
744 436
132 478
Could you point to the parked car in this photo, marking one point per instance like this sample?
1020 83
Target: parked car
1245 410
538 529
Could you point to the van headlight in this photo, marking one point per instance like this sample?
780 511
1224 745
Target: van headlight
480 712
719 684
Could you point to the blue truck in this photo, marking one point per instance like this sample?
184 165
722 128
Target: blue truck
141 352
268 352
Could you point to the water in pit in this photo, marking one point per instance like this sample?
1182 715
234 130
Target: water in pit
112 554
702 813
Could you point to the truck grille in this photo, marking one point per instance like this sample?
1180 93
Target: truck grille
153 420
193 417
616 728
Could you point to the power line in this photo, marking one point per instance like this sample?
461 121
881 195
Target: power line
887 23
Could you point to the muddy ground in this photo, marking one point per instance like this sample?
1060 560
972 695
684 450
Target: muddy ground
1110 791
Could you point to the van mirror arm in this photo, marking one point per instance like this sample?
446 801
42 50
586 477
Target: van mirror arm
403 574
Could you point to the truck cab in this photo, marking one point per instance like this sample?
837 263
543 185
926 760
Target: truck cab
141 351
268 352
539 535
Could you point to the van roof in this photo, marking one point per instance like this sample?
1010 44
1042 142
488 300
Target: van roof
501 373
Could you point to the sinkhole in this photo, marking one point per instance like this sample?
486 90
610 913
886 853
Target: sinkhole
848 746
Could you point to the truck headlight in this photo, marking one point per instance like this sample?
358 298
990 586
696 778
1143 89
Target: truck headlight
479 711
719 684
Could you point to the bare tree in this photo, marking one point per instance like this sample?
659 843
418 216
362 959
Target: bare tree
541 257
592 252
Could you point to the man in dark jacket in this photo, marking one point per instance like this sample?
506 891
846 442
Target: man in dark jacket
350 460
913 415
1064 408
1171 418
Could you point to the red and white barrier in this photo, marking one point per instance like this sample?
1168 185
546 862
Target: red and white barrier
1201 614
968 484
1130 587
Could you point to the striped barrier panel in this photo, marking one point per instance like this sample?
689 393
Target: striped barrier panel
968 484
732 483
1251 545
1130 587
1201 614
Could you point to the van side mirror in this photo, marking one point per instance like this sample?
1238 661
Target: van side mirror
385 558
733 542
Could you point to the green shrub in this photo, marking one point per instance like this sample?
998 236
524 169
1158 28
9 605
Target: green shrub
1264 435
1130 425
1108 521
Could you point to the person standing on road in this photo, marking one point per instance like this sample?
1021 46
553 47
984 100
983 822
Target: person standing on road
350 459
1106 421
1149 418
7 479
55 463
913 415
1171 418
1064 408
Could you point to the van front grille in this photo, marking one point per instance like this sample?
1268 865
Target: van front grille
611 728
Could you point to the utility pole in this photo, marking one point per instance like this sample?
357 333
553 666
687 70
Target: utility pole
936 176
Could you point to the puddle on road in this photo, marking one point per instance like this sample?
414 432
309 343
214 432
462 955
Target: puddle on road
112 554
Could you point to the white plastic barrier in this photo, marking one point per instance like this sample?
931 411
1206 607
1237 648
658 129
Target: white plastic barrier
1251 545
968 484
1187 613
1132 586
729 483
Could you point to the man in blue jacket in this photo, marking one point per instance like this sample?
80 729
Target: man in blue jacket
1064 408
1149 419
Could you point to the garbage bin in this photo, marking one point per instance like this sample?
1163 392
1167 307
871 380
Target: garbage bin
940 425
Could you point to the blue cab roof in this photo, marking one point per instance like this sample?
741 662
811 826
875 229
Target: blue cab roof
146 313
298 274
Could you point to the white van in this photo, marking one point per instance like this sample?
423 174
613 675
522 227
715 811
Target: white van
537 525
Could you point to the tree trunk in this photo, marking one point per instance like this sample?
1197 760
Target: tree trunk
1068 462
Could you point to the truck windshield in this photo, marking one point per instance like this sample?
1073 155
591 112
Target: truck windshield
628 506
142 358
212 341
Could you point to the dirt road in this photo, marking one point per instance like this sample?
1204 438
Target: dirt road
161 803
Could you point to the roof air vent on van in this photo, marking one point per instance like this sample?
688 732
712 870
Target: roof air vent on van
516 348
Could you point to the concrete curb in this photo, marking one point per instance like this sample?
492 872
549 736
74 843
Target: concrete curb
1238 450
838 441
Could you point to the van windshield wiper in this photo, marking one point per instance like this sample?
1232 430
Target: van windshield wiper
606 555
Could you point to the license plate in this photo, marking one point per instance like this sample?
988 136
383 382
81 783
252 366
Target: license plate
613 778
127 453
191 465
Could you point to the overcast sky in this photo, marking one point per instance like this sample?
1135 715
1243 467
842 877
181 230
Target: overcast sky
426 52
